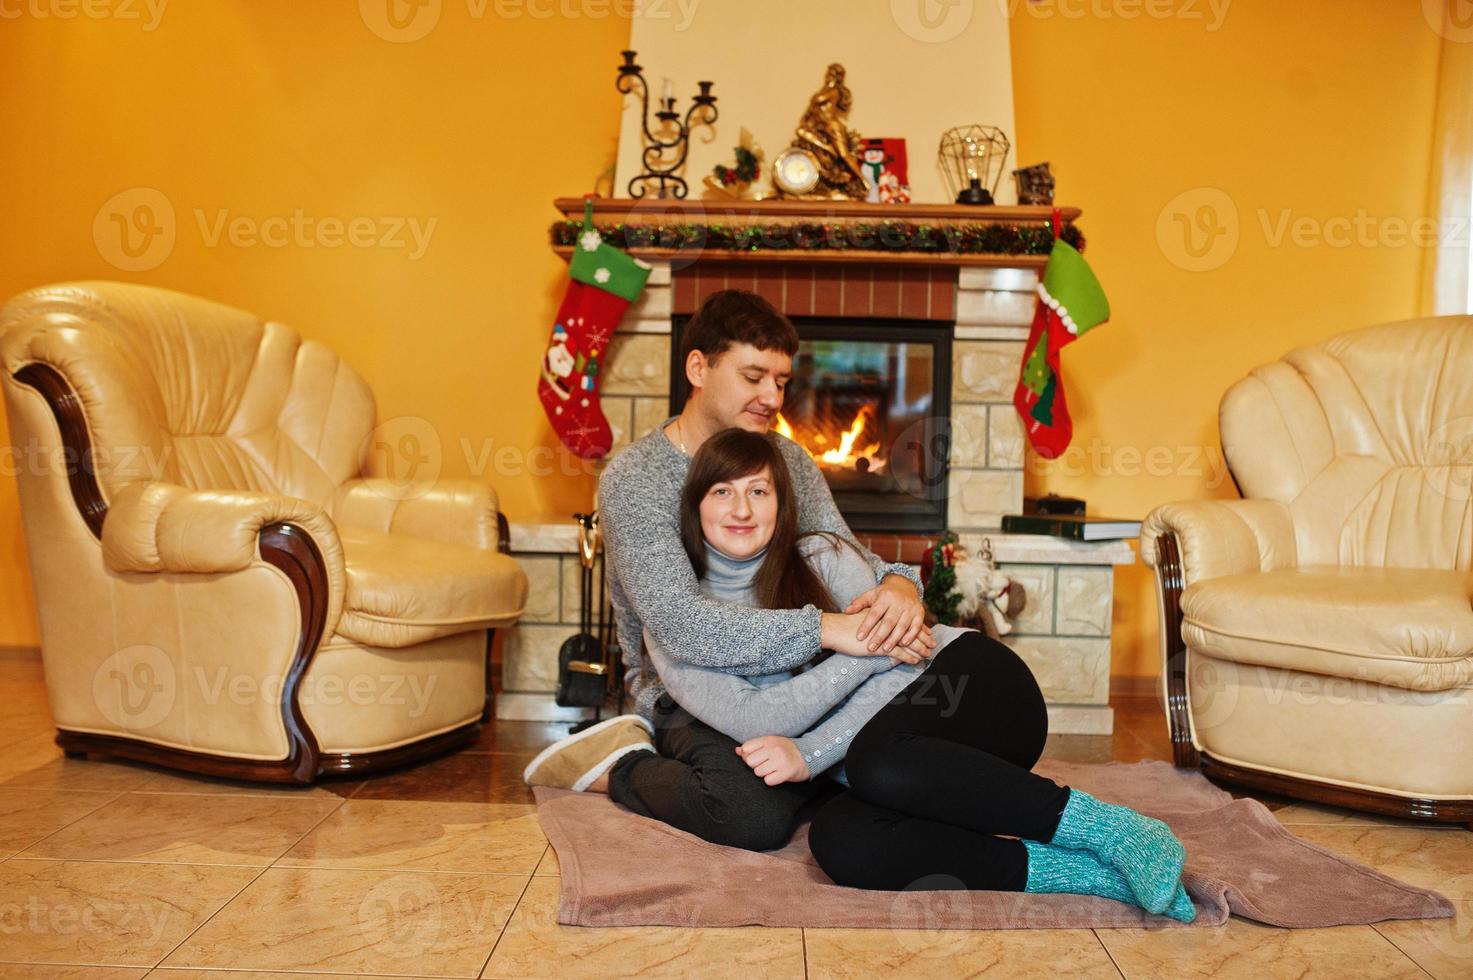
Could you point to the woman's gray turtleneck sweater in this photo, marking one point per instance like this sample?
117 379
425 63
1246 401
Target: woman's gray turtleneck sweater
822 708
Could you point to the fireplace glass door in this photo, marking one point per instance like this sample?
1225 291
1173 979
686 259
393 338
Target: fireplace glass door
870 402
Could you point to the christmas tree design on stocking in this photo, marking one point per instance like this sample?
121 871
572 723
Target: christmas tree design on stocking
603 282
1070 302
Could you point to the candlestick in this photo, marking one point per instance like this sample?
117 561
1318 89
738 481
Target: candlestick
664 154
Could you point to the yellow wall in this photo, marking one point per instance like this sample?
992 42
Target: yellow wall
1322 107
1316 106
262 107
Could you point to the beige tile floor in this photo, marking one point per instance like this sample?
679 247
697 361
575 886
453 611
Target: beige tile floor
109 870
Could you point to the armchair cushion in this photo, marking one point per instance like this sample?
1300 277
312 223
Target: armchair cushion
451 511
162 527
1222 537
404 590
1404 627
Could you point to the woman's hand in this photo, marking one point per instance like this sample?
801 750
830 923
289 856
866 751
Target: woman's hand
775 759
896 616
840 632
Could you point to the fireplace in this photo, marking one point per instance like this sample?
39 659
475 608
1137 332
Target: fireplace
870 400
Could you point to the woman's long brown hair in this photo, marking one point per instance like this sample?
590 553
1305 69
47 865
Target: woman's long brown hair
785 580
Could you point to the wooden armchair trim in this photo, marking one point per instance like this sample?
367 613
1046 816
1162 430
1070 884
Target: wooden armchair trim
1186 755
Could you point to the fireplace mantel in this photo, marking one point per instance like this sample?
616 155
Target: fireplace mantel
674 213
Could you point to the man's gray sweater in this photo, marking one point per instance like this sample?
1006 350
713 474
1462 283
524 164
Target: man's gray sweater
653 587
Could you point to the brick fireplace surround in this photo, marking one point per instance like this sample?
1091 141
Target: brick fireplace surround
1063 633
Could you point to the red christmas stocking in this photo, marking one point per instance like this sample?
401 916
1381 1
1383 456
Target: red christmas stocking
604 282
1070 302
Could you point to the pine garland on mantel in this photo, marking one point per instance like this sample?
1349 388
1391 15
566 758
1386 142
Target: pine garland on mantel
980 238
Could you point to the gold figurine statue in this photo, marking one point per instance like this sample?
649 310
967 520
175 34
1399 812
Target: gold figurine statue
825 138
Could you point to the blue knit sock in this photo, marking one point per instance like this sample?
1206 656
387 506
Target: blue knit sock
1141 848
1054 869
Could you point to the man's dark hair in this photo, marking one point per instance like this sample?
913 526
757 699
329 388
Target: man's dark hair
735 316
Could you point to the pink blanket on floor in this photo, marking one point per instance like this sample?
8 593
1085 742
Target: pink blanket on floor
620 869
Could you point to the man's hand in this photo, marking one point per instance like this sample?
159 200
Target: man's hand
839 632
775 759
896 616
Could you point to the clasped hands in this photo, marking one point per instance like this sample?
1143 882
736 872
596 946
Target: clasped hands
888 620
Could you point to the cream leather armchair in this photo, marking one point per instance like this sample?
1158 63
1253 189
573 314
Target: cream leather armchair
1317 636
221 586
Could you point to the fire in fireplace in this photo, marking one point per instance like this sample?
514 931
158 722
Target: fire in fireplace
870 403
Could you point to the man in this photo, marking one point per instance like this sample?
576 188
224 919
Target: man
738 354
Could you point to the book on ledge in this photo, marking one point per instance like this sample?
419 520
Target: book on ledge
1075 527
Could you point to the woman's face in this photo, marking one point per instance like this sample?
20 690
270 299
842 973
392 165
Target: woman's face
739 516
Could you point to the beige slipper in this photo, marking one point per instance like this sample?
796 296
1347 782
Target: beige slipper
576 761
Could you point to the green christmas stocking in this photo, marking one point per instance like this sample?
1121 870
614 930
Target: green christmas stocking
1070 302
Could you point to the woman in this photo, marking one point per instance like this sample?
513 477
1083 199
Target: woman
937 758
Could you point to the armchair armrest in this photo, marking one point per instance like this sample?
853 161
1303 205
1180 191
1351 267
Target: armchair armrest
1194 541
163 527
452 511
1222 537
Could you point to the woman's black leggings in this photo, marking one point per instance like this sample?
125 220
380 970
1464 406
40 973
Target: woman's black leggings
938 773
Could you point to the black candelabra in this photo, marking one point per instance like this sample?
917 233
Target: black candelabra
664 153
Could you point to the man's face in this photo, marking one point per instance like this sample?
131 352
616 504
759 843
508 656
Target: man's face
743 387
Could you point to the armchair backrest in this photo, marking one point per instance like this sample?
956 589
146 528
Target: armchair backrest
1368 439
180 389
